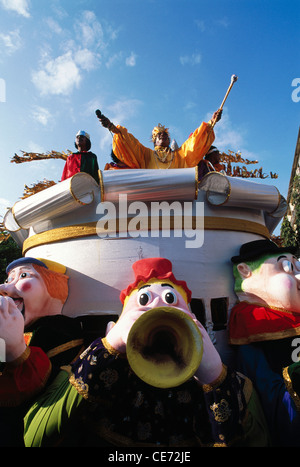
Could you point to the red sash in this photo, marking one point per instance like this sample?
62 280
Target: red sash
252 323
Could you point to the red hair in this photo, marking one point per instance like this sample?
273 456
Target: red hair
56 283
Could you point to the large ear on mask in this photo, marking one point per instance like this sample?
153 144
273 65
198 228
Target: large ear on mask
244 270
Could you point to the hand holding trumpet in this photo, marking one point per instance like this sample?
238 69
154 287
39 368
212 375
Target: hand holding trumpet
11 328
157 331
211 365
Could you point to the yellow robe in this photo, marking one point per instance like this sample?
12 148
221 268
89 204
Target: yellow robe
130 151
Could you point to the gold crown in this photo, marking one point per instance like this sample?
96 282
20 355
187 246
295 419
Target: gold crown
159 129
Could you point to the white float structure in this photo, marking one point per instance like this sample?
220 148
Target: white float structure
99 231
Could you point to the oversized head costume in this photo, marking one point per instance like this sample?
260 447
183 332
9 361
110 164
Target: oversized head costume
155 270
157 297
263 327
39 287
145 410
267 283
42 338
156 324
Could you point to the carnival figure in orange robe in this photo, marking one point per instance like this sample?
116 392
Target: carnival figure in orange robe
134 155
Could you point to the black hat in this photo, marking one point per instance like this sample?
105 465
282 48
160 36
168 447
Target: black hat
253 250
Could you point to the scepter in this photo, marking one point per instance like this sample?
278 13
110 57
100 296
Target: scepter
106 122
233 80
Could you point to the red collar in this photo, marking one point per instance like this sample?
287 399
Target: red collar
253 323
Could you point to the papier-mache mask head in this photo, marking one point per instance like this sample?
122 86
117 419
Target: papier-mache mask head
268 275
38 286
155 270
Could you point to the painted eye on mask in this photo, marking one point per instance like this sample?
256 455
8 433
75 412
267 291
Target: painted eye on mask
287 266
8 280
297 265
144 297
169 297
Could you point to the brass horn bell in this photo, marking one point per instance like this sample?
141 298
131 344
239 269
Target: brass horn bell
164 347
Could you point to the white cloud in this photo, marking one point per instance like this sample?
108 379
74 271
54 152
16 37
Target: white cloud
86 59
41 115
11 41
111 32
118 113
113 59
193 59
19 6
64 73
59 76
81 53
81 50
123 109
89 30
131 60
59 11
54 26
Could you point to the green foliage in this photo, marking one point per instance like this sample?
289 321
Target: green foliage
295 200
287 233
290 235
9 251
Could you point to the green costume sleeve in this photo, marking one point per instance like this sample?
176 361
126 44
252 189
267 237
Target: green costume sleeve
256 433
56 418
45 421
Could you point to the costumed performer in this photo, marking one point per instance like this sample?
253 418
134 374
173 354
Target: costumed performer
263 327
38 338
213 407
116 164
132 153
82 161
210 163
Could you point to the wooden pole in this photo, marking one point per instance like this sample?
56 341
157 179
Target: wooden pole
233 80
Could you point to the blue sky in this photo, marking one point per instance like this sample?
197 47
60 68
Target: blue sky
143 62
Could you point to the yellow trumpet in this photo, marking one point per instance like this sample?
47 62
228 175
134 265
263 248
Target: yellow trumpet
164 347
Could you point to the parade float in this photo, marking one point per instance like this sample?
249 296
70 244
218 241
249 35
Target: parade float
148 249
99 230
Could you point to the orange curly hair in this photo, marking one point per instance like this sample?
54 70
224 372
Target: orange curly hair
56 283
